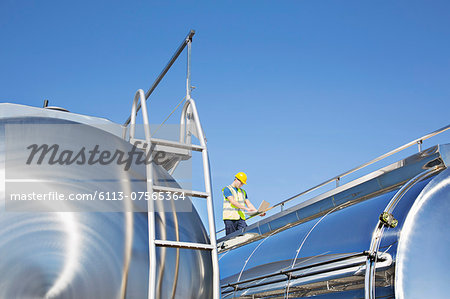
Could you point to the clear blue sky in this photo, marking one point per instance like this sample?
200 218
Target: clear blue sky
291 92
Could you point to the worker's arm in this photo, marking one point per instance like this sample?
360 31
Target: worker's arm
250 205
238 205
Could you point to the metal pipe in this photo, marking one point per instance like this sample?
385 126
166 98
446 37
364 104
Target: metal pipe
284 272
289 275
188 71
165 70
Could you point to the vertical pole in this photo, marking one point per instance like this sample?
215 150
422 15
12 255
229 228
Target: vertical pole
188 72
212 226
419 143
151 232
150 204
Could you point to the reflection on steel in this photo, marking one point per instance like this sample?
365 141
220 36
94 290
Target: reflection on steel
92 254
422 254
301 245
378 232
322 247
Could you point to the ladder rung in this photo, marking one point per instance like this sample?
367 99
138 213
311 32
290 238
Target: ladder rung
179 190
186 245
177 144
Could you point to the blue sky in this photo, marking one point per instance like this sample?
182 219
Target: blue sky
291 92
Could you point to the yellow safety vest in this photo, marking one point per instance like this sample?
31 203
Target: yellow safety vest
231 212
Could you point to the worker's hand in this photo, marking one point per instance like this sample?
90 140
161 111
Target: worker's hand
252 210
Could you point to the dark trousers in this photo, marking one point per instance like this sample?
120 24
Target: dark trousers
234 225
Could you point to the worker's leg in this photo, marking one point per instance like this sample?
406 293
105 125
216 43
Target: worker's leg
230 226
241 224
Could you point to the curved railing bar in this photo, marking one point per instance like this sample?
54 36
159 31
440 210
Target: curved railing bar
140 96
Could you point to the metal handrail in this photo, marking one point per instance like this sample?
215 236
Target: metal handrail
337 178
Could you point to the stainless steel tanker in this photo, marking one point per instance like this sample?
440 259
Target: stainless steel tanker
101 251
383 235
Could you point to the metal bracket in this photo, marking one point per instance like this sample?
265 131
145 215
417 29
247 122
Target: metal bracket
388 219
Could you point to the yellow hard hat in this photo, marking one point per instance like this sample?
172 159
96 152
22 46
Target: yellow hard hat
241 177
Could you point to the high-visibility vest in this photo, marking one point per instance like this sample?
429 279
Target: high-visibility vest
231 212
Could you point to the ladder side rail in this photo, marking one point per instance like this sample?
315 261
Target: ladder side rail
151 234
140 97
210 207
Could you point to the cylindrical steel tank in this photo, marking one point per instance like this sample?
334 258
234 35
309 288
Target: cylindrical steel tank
100 250
322 248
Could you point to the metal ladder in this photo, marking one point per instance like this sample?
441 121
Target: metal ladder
189 120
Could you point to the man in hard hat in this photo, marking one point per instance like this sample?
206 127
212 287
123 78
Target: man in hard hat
235 202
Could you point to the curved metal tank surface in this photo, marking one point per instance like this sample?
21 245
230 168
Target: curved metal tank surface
423 263
326 256
96 254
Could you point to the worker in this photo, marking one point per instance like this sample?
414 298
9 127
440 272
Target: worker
235 202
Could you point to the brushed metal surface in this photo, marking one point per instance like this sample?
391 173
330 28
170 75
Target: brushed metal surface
95 254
